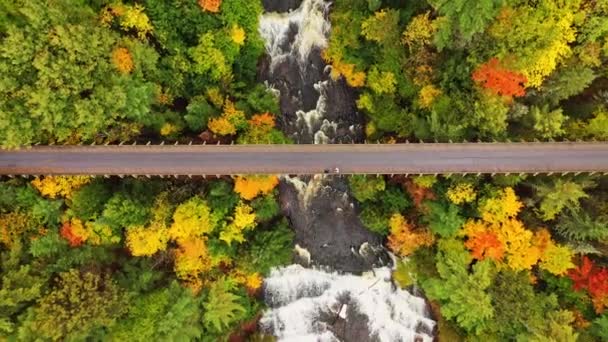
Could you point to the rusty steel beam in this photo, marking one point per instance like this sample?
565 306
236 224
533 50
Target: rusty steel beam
428 158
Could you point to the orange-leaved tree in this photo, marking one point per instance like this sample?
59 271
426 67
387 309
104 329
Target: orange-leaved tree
122 60
212 6
499 80
404 239
74 232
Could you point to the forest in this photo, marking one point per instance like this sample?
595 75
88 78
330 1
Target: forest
497 258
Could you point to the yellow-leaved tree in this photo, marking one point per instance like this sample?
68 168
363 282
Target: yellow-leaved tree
461 193
146 241
59 186
229 122
191 219
242 220
249 187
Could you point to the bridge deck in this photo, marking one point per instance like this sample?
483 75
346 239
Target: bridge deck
307 159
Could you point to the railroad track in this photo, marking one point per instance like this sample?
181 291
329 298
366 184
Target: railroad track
202 160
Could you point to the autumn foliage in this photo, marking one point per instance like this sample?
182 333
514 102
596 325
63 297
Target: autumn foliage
339 68
248 187
500 236
231 120
59 186
594 279
122 60
499 80
403 239
74 232
485 244
212 6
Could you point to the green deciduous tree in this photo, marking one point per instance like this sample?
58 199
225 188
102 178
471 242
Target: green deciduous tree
518 310
88 202
22 284
547 123
365 188
463 19
443 218
78 304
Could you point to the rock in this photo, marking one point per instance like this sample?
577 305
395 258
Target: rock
280 5
327 226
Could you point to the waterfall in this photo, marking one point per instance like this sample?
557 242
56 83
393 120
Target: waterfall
295 35
312 29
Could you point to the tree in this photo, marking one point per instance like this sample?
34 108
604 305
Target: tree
485 244
382 27
261 130
518 310
80 303
89 200
443 218
125 209
365 188
567 82
192 219
499 80
462 293
231 121
461 20
266 208
13 228
59 186
461 193
594 279
419 32
212 6
169 313
535 37
59 77
249 187
501 207
74 232
191 259
222 306
146 241
22 284
547 123
243 220
403 239
598 125
577 225
556 196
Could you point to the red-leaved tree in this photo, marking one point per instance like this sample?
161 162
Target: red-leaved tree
593 279
501 81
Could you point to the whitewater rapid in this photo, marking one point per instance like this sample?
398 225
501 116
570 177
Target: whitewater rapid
319 304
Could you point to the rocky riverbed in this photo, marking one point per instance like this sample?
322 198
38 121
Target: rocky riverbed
345 292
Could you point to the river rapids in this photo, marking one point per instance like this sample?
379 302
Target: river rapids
341 290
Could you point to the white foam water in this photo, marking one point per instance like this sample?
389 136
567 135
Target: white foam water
313 27
300 297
